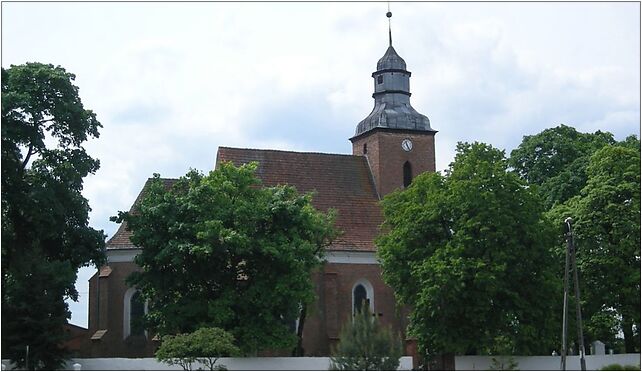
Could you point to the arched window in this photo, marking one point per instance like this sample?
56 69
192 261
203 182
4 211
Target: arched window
407 174
360 298
365 148
362 295
135 307
136 313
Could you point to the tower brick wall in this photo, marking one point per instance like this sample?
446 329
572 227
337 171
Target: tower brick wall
386 157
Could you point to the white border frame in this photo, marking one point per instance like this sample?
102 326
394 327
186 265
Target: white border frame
351 257
127 305
345 257
122 255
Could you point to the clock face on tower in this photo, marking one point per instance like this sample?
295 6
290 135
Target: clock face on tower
406 144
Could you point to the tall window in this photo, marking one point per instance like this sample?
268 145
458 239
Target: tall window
407 174
134 308
362 295
136 312
365 148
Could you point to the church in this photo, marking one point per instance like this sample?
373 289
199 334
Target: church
393 144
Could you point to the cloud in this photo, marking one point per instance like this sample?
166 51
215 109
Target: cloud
478 86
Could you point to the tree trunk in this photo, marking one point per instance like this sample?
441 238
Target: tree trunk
298 350
627 329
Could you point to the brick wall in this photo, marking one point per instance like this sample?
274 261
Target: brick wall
333 307
386 157
110 316
325 317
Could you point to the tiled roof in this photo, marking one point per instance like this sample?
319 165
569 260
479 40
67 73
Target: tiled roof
120 240
341 182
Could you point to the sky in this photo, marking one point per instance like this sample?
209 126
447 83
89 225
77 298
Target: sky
170 82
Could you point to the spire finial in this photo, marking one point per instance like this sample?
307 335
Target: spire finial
389 15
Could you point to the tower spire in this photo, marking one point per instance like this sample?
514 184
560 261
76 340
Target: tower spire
389 15
392 108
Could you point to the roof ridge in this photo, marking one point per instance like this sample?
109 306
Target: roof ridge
290 151
163 178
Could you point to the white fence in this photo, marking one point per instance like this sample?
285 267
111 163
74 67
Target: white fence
471 363
546 363
233 364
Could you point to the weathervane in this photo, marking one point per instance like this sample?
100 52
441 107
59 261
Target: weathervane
389 15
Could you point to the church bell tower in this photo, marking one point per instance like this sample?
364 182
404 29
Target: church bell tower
396 139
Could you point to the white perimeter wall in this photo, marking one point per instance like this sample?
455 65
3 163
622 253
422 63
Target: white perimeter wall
471 363
233 364
547 363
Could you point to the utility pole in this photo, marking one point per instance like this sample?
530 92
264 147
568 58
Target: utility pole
565 309
580 332
571 260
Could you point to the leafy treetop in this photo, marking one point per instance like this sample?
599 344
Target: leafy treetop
220 250
469 252
45 231
606 225
556 160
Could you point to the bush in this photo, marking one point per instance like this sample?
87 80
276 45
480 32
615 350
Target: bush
503 364
205 345
619 367
366 345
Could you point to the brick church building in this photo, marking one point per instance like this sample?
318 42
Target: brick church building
393 144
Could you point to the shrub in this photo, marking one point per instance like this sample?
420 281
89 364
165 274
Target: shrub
205 345
619 367
503 364
366 345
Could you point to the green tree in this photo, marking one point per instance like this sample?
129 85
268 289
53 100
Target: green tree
631 142
556 159
470 253
45 232
366 345
220 250
607 237
205 345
